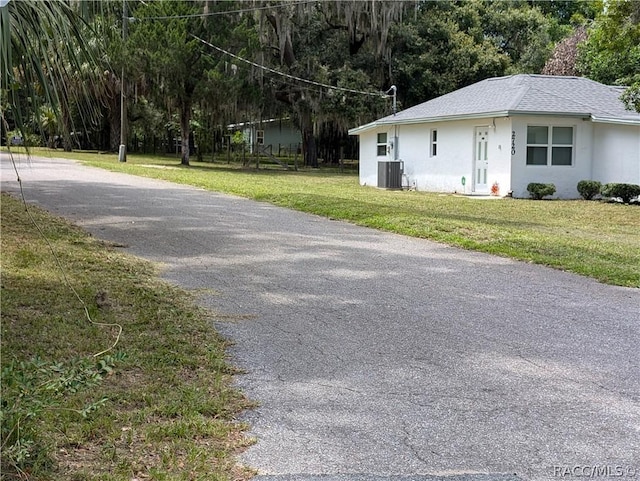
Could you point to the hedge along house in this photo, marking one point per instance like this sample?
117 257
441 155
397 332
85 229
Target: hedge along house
500 134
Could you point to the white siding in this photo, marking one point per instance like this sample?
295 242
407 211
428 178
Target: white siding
454 159
368 155
604 152
616 153
500 160
565 178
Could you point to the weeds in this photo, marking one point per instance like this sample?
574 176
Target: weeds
161 405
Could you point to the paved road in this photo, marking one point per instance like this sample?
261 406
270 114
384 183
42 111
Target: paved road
377 357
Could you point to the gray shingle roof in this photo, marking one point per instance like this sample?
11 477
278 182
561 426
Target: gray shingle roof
520 94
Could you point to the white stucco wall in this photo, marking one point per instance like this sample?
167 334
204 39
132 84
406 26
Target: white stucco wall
616 153
444 171
601 151
368 163
500 158
565 178
455 155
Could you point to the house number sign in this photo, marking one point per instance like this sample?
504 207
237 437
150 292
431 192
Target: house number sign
513 142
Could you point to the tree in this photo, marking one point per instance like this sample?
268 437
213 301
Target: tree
175 63
43 46
611 53
448 45
343 42
442 49
564 58
522 32
566 12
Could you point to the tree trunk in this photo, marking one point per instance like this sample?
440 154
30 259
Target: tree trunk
185 117
114 128
309 147
66 127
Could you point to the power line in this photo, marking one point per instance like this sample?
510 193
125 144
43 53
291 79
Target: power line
292 77
211 14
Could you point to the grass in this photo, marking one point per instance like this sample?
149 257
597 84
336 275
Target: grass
170 406
595 239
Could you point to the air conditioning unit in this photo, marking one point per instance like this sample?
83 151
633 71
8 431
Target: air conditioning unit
390 174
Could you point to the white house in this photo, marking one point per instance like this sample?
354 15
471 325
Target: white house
505 133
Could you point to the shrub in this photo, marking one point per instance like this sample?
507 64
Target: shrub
588 189
624 191
17 138
537 191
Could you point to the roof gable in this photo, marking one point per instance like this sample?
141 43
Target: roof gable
520 94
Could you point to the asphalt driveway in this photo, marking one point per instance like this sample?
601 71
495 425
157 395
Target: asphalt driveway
376 356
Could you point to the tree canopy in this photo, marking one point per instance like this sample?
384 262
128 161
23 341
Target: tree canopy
611 52
193 67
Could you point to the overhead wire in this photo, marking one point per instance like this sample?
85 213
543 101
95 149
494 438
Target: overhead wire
289 76
211 14
257 65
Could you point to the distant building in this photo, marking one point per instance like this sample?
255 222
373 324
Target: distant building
276 136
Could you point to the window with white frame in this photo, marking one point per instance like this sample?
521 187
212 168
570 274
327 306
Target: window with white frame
549 145
434 143
260 137
382 144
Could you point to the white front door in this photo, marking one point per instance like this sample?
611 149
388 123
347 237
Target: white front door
481 163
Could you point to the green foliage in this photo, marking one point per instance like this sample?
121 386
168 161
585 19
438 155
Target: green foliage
448 45
538 190
567 11
611 54
32 388
162 45
631 96
426 49
588 189
175 368
522 32
46 60
445 48
238 138
626 192
28 138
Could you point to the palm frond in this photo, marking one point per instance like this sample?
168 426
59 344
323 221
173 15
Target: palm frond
43 59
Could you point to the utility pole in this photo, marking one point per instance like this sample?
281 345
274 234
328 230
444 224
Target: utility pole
122 153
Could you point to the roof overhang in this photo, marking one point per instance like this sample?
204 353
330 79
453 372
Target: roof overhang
424 120
619 121
251 123
387 121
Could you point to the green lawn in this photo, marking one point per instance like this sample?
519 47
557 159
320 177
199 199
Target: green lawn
165 404
169 406
591 238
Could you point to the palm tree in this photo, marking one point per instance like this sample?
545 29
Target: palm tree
49 122
42 47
